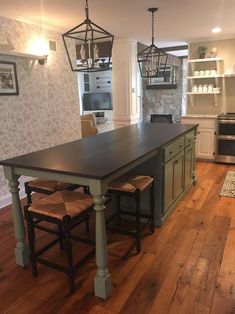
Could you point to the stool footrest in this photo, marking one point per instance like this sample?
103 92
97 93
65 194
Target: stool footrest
46 247
51 264
84 259
43 228
86 241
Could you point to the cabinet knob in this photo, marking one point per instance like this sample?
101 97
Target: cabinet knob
170 152
198 132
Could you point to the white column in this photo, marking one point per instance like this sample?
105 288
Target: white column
124 65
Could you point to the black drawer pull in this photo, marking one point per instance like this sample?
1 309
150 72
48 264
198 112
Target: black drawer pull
170 152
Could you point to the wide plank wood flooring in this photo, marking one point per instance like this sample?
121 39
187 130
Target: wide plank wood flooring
187 266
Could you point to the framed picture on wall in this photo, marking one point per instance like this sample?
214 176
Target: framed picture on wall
8 79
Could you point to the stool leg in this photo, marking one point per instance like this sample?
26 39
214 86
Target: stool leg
138 221
87 224
31 238
60 237
152 208
28 193
69 253
118 204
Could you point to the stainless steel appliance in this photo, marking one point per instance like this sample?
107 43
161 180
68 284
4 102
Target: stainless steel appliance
225 143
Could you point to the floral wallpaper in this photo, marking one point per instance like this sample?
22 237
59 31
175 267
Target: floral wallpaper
46 111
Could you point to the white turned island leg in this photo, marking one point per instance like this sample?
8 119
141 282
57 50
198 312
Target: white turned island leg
21 250
102 281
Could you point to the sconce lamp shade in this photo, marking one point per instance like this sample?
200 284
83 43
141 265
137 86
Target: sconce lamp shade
90 42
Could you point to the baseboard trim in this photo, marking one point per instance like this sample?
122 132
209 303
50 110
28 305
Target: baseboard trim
7 200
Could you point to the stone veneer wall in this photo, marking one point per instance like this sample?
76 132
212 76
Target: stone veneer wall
46 111
165 101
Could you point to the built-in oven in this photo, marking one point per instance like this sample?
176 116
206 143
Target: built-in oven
225 140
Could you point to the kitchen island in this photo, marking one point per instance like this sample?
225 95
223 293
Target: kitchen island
165 151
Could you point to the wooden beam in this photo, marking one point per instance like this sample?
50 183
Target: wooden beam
175 48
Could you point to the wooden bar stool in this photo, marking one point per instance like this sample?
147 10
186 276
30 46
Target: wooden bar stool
133 186
66 209
47 187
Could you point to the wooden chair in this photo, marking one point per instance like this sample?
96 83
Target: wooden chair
132 186
65 209
161 118
88 125
47 187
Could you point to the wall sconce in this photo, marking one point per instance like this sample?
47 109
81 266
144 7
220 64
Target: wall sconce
43 60
39 46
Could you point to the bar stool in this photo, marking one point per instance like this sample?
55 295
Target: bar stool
47 187
132 186
65 209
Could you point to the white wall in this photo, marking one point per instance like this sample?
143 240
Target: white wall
46 111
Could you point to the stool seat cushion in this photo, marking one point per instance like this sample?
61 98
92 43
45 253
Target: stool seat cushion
131 184
49 185
62 203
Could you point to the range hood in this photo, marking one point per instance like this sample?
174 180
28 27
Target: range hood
230 72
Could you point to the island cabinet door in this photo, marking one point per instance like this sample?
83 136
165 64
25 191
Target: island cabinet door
173 180
188 165
178 175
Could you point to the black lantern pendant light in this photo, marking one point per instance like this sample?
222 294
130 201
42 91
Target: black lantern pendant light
93 46
152 60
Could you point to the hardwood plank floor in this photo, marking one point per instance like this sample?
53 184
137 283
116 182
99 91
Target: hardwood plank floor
187 266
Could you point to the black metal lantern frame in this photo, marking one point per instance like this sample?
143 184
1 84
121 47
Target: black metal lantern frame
152 60
90 39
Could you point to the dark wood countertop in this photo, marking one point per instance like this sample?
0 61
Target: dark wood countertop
101 155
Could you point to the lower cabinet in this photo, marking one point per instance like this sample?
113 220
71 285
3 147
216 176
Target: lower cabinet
189 156
206 137
179 170
174 180
205 147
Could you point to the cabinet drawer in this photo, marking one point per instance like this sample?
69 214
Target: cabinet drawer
189 139
173 149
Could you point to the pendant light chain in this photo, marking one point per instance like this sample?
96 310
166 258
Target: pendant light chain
87 10
152 27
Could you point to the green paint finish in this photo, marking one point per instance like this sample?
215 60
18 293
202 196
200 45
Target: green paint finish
178 170
188 166
173 149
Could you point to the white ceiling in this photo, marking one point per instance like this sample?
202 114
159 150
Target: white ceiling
176 22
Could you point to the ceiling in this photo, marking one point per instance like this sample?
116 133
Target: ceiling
176 22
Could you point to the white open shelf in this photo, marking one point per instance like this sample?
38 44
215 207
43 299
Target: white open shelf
204 77
203 93
19 54
205 60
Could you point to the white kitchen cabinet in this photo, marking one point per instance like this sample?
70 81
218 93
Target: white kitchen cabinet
205 144
206 137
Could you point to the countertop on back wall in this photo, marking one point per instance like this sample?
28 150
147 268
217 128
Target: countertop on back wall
200 116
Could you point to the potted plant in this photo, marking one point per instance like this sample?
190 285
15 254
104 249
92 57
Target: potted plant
202 50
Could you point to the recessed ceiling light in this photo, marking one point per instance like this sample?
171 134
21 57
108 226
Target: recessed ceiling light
216 30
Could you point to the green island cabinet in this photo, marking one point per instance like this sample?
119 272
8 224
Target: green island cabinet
178 170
